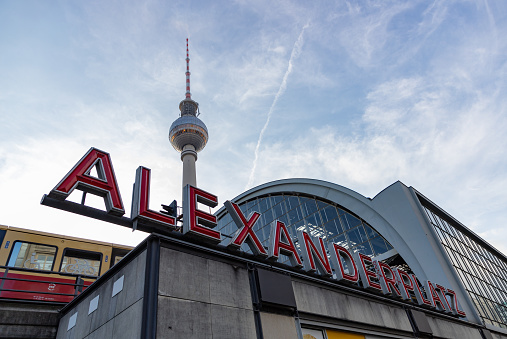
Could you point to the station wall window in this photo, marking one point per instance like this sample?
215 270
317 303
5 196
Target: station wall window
32 256
81 262
480 269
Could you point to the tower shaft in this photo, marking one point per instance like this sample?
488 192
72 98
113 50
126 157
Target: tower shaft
189 157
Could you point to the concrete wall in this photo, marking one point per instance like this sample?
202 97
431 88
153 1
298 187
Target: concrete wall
319 300
117 316
28 320
203 298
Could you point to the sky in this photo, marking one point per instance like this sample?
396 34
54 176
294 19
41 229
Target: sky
358 93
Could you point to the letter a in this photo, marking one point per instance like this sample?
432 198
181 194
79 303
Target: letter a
104 186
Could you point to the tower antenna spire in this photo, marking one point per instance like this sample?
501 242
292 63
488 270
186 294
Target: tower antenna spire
188 95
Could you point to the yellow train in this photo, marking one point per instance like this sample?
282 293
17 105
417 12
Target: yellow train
49 267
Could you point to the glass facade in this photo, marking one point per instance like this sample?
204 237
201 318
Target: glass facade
483 273
317 217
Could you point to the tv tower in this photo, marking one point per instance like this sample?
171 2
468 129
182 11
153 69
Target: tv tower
188 134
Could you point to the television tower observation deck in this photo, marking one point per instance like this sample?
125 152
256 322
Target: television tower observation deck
188 134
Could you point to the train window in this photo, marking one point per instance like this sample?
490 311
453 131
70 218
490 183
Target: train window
32 256
117 259
2 235
117 255
81 262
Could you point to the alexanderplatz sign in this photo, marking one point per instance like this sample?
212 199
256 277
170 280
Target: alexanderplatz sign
349 268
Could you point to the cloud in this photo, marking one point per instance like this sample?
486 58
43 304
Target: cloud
412 135
296 50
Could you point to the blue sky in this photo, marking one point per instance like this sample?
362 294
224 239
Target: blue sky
359 93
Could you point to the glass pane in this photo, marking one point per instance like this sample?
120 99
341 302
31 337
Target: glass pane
264 204
379 245
357 235
351 221
276 199
329 213
295 215
332 229
309 206
370 232
321 204
278 210
292 202
32 256
81 262
364 248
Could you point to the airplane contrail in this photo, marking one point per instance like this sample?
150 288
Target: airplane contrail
296 50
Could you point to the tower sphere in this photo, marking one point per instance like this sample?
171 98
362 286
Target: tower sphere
188 130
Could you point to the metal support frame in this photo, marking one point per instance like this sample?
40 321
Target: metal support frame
95 213
254 290
87 211
150 300
298 325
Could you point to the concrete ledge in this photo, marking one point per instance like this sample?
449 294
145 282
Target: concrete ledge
448 329
326 302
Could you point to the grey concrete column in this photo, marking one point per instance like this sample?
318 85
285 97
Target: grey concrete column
189 157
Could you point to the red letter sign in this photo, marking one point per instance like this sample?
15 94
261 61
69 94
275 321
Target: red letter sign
441 291
245 231
285 246
141 199
387 282
196 222
105 185
365 273
454 303
437 301
338 253
405 284
419 293
312 255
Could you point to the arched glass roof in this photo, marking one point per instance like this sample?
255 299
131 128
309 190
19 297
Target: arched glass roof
318 217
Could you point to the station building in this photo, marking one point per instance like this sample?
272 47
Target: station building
295 258
176 286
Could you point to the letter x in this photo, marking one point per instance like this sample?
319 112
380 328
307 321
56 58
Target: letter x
245 231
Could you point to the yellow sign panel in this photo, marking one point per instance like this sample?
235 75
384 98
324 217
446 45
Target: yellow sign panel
343 335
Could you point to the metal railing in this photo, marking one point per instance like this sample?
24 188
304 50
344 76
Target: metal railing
19 283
